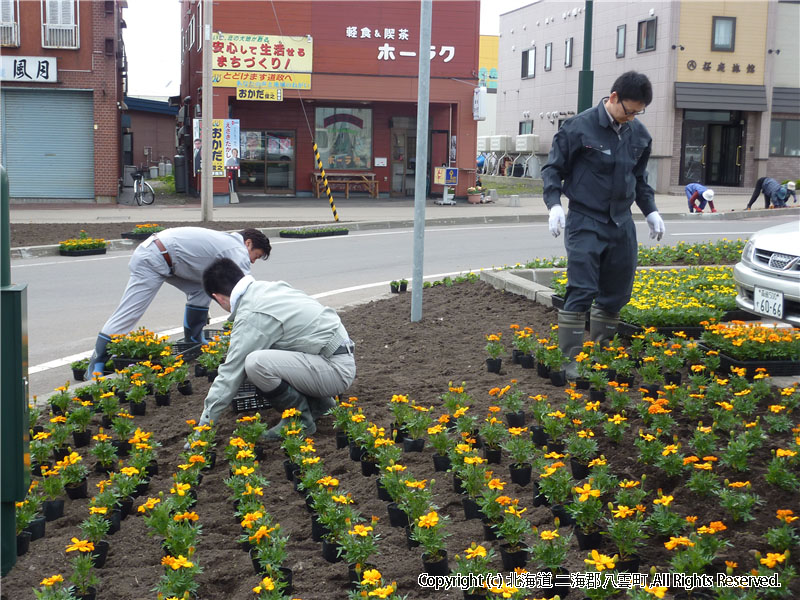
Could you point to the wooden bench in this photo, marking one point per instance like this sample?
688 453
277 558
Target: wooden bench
346 180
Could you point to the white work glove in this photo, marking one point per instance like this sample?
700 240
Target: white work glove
656 223
557 220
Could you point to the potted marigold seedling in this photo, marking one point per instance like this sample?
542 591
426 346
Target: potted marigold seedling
626 528
520 448
494 348
83 578
512 399
416 425
493 433
104 451
95 528
442 443
429 530
586 509
549 551
474 564
512 529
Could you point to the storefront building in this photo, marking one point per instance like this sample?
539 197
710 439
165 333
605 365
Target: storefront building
726 94
63 79
341 74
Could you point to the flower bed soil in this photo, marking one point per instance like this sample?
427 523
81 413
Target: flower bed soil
393 356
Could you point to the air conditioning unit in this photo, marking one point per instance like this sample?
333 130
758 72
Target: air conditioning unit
483 143
501 143
527 143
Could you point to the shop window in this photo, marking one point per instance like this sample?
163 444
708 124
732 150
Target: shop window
60 26
191 33
525 127
344 137
723 34
621 41
9 22
568 52
529 63
646 39
548 57
784 137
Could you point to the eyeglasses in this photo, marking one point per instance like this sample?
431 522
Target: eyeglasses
629 113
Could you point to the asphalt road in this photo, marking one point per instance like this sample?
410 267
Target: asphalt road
69 299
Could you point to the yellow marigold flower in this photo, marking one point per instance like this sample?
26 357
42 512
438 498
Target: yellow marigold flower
617 419
511 510
99 510
698 368
505 501
429 520
51 581
460 412
549 534
129 471
705 466
553 455
495 484
196 459
383 592
674 542
342 499
357 418
176 563
266 585
474 460
739 484
586 491
781 453
371 577
436 429
600 562
597 462
691 519
394 468
186 516
180 489
627 484
244 470
772 559
658 591
148 505
360 530
670 449
664 500
622 512
776 408
592 405
475 551
731 563
328 481
585 433
517 430
419 485
80 546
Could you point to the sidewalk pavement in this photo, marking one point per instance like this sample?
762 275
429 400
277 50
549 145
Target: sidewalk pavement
355 213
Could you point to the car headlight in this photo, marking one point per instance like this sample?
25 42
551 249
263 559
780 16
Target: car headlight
749 251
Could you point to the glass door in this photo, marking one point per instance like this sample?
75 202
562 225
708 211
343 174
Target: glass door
251 162
693 157
712 150
725 154
280 162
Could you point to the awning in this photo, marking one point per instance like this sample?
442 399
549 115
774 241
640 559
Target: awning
720 96
786 100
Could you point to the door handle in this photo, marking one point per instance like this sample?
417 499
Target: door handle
703 156
738 153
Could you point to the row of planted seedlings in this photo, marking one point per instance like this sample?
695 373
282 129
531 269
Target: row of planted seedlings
345 534
172 517
262 536
571 425
742 416
107 509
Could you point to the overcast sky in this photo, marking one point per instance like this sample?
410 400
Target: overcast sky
153 39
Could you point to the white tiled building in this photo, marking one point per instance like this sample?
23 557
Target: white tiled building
726 103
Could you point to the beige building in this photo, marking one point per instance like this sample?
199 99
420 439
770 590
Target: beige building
726 87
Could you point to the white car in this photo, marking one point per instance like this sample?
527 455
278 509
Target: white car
768 276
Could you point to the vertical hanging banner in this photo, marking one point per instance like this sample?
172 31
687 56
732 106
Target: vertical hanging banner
224 144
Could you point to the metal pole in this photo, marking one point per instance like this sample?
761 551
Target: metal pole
421 170
586 76
206 179
5 230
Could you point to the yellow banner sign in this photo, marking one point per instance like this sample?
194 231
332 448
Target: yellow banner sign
287 81
262 53
259 94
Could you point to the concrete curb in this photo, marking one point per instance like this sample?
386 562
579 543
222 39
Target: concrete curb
125 244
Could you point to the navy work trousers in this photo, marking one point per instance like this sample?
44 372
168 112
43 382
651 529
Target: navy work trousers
601 263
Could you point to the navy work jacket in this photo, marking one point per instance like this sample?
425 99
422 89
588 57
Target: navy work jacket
603 172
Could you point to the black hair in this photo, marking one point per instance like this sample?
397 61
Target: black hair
221 276
259 240
633 86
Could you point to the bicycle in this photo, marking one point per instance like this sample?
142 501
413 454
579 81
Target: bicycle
142 192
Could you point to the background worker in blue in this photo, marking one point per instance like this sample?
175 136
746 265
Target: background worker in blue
598 160
696 192
177 256
773 191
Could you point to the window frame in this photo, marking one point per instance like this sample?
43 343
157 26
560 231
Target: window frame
522 127
191 32
623 29
568 46
11 27
74 26
528 65
199 26
782 144
646 23
548 56
366 116
715 47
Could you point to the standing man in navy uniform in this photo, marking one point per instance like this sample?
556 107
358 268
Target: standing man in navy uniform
598 160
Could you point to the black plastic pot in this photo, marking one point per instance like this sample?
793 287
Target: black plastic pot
23 542
36 527
435 565
493 365
588 541
521 475
412 445
513 559
516 419
53 509
397 518
441 462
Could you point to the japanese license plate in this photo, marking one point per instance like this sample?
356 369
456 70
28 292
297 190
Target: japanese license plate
768 302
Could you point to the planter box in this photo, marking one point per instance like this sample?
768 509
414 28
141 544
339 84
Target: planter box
248 397
627 330
133 235
775 368
87 252
189 350
312 234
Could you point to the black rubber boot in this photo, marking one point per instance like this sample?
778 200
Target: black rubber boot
97 361
194 319
602 325
571 326
282 398
320 406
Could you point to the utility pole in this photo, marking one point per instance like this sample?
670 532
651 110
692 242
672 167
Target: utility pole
206 179
421 171
586 75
